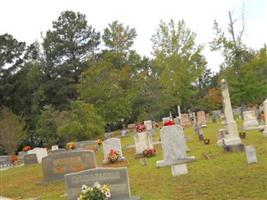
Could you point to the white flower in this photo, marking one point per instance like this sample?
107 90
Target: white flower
108 194
84 188
97 185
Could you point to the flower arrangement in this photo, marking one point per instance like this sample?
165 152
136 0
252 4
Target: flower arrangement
26 148
140 128
169 123
14 158
97 192
113 156
71 145
99 142
149 152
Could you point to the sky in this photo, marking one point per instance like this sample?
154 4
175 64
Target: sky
27 20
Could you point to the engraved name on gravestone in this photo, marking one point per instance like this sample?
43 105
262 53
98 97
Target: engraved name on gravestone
251 154
112 144
173 146
116 178
30 159
56 165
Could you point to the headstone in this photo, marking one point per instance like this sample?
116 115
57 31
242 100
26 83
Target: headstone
40 153
201 119
143 141
231 138
178 170
251 154
265 117
58 151
131 126
87 145
30 159
250 120
116 178
124 132
5 161
148 125
112 144
54 147
185 121
56 165
173 146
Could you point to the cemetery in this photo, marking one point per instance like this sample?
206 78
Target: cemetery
129 100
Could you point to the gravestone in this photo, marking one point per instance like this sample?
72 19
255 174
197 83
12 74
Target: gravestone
185 121
58 151
40 153
143 141
112 144
231 140
164 119
251 154
87 145
30 159
54 147
148 125
173 146
56 165
178 170
265 118
117 180
201 119
250 120
5 161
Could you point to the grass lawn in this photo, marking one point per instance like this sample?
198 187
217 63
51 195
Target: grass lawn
224 176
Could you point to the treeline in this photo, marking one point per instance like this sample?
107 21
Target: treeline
77 79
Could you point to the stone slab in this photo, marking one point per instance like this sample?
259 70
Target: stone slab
178 170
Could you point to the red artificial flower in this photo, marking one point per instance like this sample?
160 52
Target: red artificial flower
140 128
26 148
169 123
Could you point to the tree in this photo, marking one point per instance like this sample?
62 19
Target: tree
118 38
11 131
67 48
178 60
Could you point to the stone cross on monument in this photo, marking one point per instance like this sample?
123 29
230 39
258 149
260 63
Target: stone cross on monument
265 117
230 139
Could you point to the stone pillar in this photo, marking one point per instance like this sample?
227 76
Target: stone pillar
232 136
265 117
179 111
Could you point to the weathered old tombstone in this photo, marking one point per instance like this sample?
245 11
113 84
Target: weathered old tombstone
251 154
265 118
143 141
112 144
173 146
30 159
117 180
87 145
54 147
250 120
178 170
185 121
201 119
56 165
148 124
40 153
5 161
230 139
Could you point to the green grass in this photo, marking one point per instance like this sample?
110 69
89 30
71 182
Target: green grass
223 176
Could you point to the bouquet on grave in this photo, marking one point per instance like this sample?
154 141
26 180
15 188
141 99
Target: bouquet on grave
97 192
26 148
14 159
113 156
169 123
149 152
140 128
71 145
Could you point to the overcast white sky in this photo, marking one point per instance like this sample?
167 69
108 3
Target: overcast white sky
26 19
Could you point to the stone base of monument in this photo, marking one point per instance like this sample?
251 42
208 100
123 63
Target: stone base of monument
164 163
233 148
178 170
121 159
250 128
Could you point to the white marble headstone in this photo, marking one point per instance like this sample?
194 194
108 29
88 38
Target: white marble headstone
251 154
40 153
143 141
148 125
173 146
178 170
250 120
54 147
112 144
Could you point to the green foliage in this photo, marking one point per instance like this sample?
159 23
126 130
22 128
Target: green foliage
11 131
